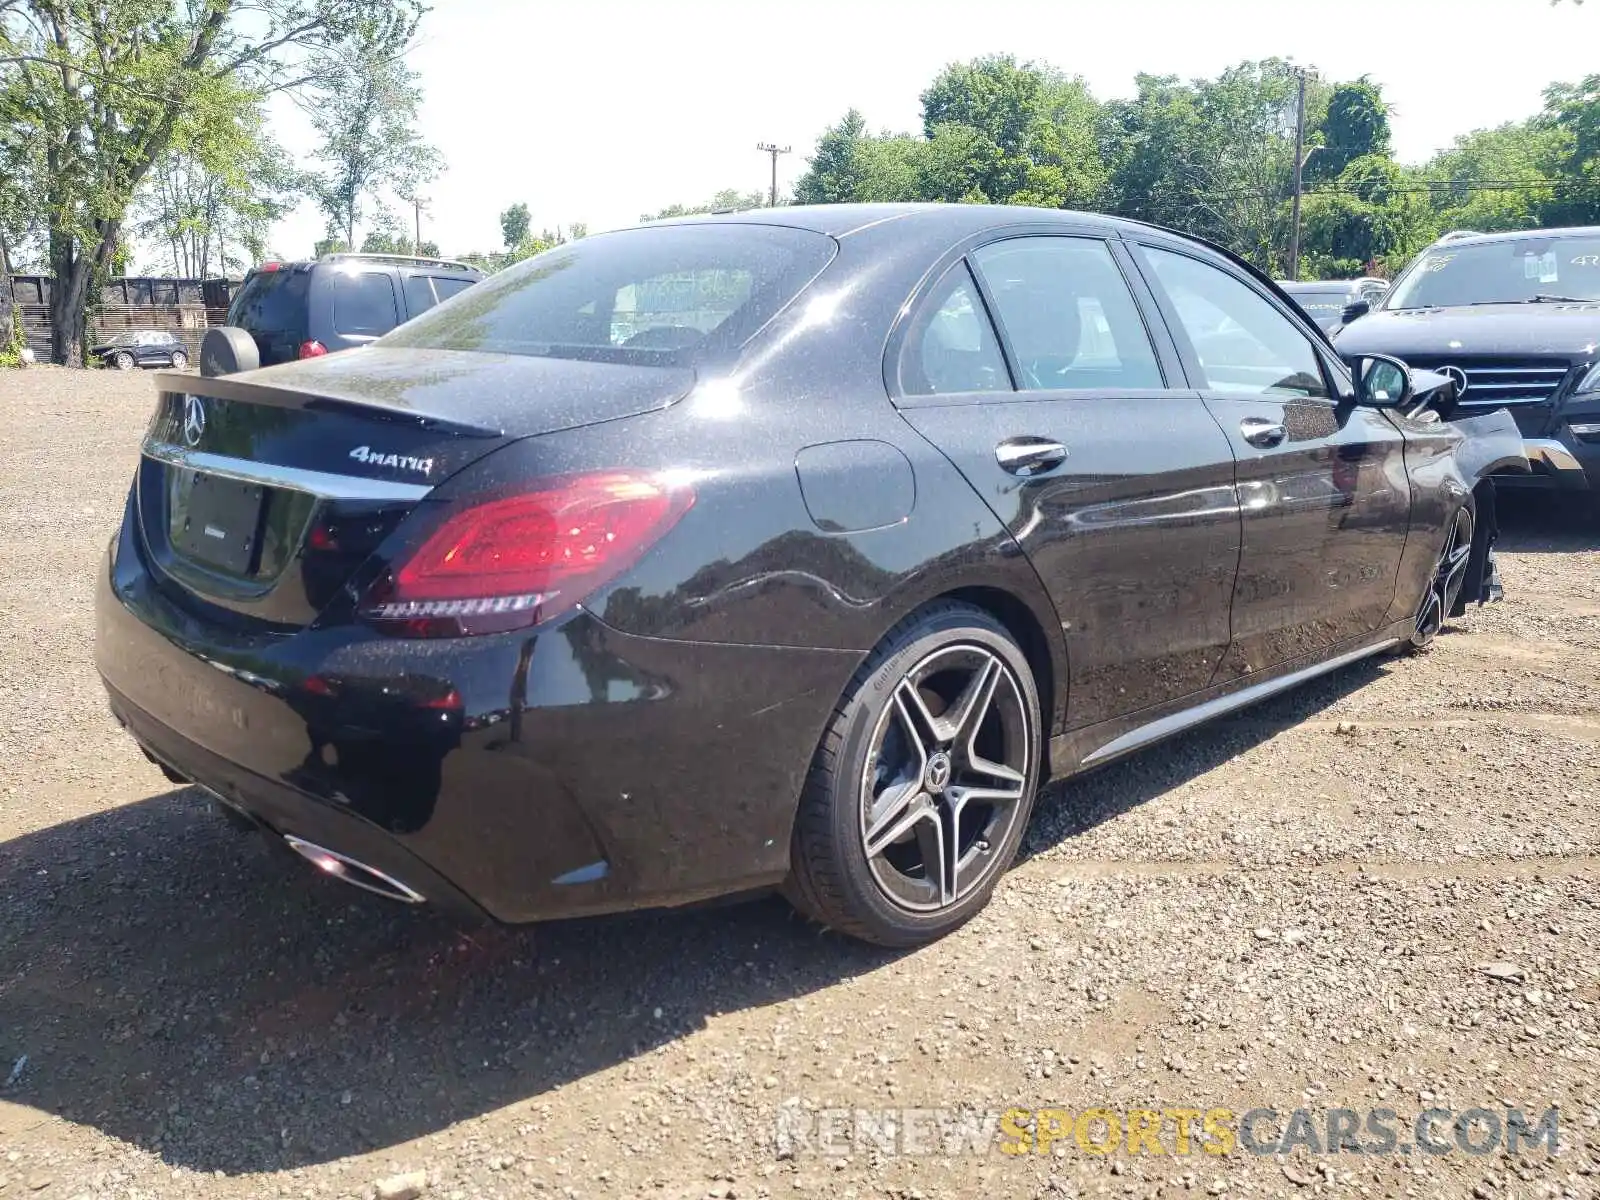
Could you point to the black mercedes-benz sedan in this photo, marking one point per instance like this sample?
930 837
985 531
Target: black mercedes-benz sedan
785 549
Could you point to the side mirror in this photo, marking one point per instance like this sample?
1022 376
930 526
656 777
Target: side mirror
1382 381
1356 308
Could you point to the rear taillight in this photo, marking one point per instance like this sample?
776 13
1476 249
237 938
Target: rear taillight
312 349
514 561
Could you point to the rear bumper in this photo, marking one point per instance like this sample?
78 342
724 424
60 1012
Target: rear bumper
572 772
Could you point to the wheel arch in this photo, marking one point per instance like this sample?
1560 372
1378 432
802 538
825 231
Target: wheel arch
1046 657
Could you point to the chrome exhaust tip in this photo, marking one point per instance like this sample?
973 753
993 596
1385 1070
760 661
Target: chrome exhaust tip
353 871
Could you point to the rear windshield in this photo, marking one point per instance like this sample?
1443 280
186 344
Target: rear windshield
1529 269
668 295
273 302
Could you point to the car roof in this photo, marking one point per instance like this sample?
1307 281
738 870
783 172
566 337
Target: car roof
1517 235
1317 285
842 220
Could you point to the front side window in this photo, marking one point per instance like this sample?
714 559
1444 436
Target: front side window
1526 270
363 304
1243 343
1068 313
951 348
660 295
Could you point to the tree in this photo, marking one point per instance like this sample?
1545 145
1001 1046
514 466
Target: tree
207 197
1525 155
514 224
835 173
1572 113
105 88
365 115
727 200
1357 126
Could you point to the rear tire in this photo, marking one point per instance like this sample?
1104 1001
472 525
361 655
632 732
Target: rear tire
921 789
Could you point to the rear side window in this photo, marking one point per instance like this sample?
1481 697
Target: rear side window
668 295
419 294
445 288
1067 310
273 302
951 347
363 304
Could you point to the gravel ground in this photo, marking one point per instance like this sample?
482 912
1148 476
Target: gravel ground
1297 907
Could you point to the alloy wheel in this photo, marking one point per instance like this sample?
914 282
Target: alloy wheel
1448 577
944 783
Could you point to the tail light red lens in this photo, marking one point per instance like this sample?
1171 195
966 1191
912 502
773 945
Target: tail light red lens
514 561
312 349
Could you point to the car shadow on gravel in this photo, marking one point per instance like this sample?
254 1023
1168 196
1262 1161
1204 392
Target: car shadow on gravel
1075 806
1542 524
179 986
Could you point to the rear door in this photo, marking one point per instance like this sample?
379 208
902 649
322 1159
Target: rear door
1322 483
1076 428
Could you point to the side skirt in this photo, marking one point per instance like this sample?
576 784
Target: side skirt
1099 744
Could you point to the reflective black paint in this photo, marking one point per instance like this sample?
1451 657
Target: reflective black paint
649 748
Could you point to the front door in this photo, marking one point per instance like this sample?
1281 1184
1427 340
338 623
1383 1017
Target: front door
1117 482
1322 483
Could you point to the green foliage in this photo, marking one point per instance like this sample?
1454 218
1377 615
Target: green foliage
98 92
1572 111
514 224
1357 126
993 131
365 115
727 200
390 240
12 342
1375 220
1525 153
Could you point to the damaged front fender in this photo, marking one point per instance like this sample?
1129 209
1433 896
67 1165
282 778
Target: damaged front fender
1489 444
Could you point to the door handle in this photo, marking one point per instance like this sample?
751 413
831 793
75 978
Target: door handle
1263 433
1029 455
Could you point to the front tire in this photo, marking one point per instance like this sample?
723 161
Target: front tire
180 360
921 789
1440 599
122 361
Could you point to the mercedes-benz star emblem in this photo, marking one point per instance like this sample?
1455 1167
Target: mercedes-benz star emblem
938 772
1456 376
194 420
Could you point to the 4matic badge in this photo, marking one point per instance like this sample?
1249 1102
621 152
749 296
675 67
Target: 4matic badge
403 462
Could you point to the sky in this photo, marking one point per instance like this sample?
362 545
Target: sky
600 113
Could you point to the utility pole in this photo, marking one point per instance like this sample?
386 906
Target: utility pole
416 204
774 150
1299 179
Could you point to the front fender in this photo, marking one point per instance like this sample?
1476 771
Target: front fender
1489 443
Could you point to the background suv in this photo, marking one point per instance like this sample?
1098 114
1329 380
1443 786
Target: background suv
307 309
1514 320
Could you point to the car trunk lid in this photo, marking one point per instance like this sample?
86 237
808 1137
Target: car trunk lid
262 495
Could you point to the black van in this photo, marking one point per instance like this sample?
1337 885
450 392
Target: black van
307 309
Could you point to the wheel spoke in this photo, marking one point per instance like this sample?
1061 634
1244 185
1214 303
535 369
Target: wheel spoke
966 714
937 865
921 726
894 814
